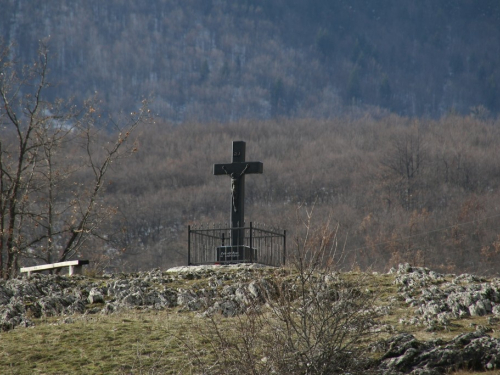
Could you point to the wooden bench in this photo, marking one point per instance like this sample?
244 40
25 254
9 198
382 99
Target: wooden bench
75 267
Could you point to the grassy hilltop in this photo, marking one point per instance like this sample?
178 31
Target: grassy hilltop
143 337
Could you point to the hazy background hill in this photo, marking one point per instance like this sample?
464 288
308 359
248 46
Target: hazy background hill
218 60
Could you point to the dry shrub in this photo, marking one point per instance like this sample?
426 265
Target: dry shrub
308 319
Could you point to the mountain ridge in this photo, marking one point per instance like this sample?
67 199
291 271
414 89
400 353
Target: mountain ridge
223 61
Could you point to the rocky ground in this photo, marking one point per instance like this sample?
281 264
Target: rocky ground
22 300
438 301
434 303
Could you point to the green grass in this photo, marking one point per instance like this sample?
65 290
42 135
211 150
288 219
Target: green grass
128 343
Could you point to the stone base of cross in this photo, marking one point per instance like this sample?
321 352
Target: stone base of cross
237 171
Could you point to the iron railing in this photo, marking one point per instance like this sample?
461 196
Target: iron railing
257 245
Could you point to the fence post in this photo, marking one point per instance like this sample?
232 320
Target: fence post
251 244
284 247
189 245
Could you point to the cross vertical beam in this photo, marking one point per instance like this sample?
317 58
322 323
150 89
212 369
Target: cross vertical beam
237 171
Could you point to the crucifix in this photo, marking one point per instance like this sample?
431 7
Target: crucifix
237 171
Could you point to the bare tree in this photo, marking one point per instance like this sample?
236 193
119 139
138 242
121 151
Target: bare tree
404 165
52 172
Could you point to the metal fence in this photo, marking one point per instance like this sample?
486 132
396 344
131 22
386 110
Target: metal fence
257 245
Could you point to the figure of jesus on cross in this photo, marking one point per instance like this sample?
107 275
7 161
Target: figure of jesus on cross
237 171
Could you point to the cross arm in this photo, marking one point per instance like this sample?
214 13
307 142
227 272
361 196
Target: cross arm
238 168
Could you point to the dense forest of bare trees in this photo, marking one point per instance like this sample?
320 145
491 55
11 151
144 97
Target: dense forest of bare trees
381 116
398 189
220 60
401 190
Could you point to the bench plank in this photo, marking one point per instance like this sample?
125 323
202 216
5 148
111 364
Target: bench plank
75 267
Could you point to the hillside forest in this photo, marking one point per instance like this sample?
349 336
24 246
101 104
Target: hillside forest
220 60
395 190
389 140
398 190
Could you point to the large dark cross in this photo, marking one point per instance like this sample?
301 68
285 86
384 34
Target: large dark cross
237 171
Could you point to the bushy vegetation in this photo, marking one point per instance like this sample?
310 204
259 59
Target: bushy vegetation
305 319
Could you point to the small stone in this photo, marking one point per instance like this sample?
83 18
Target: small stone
95 296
